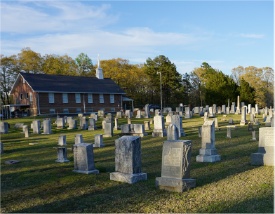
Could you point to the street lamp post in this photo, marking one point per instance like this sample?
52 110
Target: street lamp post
159 72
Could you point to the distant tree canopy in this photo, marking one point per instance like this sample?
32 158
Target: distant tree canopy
144 82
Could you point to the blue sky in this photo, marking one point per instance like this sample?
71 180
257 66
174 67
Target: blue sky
225 34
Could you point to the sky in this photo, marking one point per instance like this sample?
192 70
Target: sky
225 34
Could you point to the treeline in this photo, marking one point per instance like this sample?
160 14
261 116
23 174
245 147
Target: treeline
145 82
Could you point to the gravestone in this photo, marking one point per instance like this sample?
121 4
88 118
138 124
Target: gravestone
250 127
254 135
138 114
119 114
26 130
230 121
129 120
62 140
168 119
100 113
78 139
98 141
175 167
36 126
243 117
216 123
128 113
1 148
252 118
210 112
214 109
205 117
196 110
249 109
172 132
128 160
208 152
94 116
228 133
103 124
92 124
256 109
72 124
147 111
47 126
177 121
187 113
60 123
147 125
116 124
227 110
159 130
238 110
199 131
84 159
62 155
232 110
83 123
108 130
265 154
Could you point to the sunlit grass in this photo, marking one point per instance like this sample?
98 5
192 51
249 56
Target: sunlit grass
40 185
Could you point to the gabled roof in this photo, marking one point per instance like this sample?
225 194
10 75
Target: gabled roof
71 84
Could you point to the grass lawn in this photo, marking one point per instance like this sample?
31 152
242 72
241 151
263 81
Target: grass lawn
40 185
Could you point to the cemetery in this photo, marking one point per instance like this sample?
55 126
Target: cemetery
178 162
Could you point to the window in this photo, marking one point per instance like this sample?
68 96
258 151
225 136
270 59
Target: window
65 98
65 110
101 98
31 97
27 96
78 110
112 98
90 98
51 97
21 96
113 109
52 111
77 98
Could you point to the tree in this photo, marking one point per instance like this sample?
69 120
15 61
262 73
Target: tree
85 65
247 93
172 87
8 73
29 61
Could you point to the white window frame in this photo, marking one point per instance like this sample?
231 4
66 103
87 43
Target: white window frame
101 98
65 98
51 97
52 111
90 98
31 97
112 98
77 98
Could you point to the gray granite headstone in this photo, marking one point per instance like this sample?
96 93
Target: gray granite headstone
47 126
60 123
243 116
147 125
177 121
175 168
254 135
36 126
26 130
128 160
72 124
116 124
228 133
172 132
92 124
108 130
199 131
84 159
62 140
147 111
62 155
83 123
98 141
208 152
265 154
159 129
78 139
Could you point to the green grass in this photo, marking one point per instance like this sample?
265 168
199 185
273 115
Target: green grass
40 185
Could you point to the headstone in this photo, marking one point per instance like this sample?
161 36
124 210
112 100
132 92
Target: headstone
1 148
128 160
223 111
238 109
265 154
60 123
168 119
254 135
268 121
129 120
119 114
214 109
116 124
216 123
177 121
103 124
252 118
157 112
256 109
196 110
172 132
92 124
243 117
227 110
78 139
36 126
232 110
83 123
138 130
250 127
98 141
84 159
228 133
199 131
94 116
72 124
208 152
159 130
62 140
18 125
128 113
187 113
147 111
230 121
108 130
138 114
47 127
147 125
175 167
62 155
248 108
100 113
210 112
25 130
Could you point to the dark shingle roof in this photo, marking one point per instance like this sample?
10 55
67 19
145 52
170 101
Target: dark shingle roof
73 84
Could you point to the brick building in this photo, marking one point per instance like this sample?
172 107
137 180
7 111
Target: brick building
40 94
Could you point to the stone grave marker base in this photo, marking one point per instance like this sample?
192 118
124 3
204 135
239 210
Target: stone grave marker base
95 171
174 184
260 159
128 178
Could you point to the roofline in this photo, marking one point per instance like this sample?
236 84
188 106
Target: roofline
19 74
89 92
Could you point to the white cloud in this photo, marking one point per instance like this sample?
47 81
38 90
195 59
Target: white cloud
252 36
